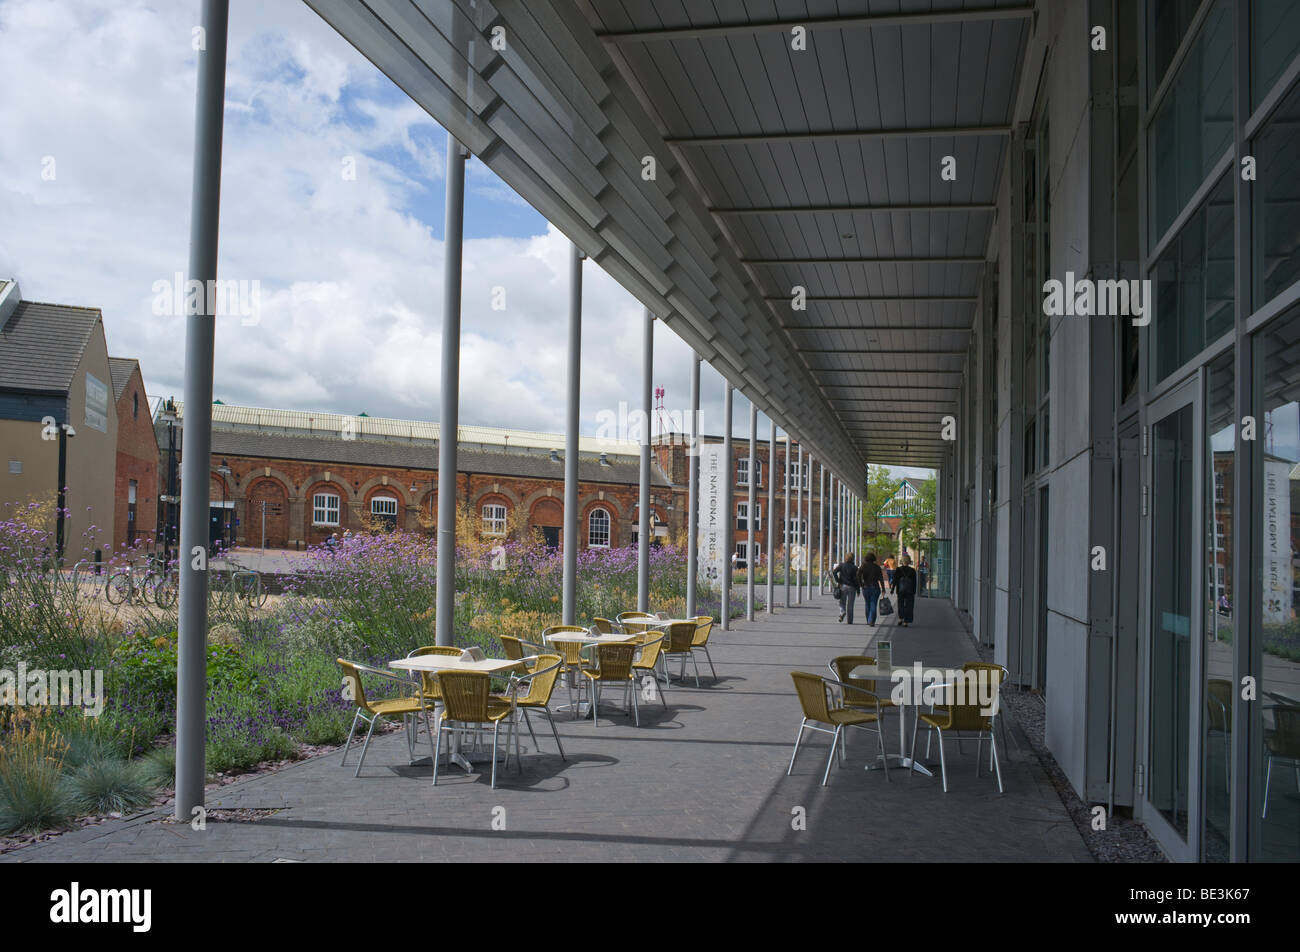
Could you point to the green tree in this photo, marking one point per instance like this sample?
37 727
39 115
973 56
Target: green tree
920 524
881 486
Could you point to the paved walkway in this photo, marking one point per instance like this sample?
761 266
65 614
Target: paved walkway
704 782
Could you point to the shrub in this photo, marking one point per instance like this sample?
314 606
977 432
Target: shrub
32 795
145 666
110 785
158 767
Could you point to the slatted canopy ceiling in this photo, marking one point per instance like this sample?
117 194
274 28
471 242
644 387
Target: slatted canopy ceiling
775 168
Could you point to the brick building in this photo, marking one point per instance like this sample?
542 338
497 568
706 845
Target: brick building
300 476
136 472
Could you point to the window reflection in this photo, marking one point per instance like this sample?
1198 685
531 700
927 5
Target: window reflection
1277 201
1218 606
1276 654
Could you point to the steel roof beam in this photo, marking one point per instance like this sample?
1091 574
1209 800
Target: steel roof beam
784 25
848 209
964 259
864 135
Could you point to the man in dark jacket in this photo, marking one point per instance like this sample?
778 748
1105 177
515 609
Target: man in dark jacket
872 580
905 587
846 573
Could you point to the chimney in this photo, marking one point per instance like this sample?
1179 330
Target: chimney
9 298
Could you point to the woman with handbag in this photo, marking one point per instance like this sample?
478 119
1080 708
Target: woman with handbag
905 587
872 581
846 573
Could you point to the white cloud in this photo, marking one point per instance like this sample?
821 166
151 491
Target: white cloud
351 277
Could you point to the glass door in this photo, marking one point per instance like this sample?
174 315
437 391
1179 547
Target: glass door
1171 659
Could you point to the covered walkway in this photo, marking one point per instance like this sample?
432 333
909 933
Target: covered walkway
704 782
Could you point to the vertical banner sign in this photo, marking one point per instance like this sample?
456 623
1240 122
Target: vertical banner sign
710 525
1277 542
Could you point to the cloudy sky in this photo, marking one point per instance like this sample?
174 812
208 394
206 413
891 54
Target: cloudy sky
95 173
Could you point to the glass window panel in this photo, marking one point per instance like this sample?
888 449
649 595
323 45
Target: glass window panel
1193 126
1167 22
1275 38
1275 649
1218 604
1277 201
1171 617
1193 285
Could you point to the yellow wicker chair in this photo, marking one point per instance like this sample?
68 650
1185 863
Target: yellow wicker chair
646 660
372 712
1218 713
543 673
604 626
958 718
613 664
815 697
517 649
571 653
703 628
856 694
626 617
429 679
1003 676
467 699
1283 744
680 640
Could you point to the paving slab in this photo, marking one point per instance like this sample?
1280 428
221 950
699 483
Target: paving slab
703 782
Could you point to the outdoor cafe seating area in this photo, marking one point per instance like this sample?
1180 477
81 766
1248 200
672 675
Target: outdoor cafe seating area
459 695
611 667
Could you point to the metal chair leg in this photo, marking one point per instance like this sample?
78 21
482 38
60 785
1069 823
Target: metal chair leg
797 739
496 732
1268 778
595 703
911 771
711 667
880 735
636 706
997 767
943 761
437 748
697 669
347 746
524 712
551 720
373 721
835 742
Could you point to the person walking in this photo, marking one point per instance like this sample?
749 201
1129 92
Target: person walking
889 568
904 585
846 573
872 580
923 571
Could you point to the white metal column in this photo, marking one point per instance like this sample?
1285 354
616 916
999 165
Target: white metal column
751 557
205 211
573 397
728 504
771 514
693 493
643 516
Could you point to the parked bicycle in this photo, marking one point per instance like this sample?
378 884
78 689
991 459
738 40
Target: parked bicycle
131 585
242 586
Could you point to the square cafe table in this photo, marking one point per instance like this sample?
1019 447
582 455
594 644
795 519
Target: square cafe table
885 675
435 663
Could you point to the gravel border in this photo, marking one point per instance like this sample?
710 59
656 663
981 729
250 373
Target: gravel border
1125 840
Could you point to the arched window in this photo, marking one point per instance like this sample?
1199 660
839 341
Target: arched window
494 519
598 529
